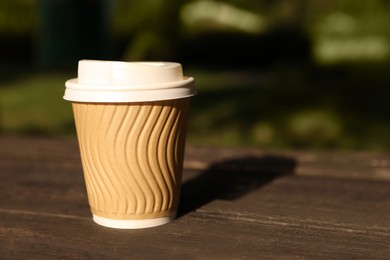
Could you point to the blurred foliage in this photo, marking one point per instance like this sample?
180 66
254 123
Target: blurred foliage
351 31
280 73
332 108
31 103
345 30
17 17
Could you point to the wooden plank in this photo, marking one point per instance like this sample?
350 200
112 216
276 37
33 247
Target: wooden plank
195 236
344 164
289 216
33 148
336 164
360 205
236 204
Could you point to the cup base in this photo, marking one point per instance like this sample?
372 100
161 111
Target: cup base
132 224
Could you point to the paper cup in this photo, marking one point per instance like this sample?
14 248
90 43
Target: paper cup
131 126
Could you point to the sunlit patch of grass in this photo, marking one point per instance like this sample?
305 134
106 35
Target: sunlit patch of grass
256 108
334 109
315 127
33 104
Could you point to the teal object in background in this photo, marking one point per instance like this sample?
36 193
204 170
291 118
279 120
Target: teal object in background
72 30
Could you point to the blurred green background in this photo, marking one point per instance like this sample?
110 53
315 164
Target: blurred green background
271 74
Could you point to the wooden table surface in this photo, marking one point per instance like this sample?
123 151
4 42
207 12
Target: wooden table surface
237 203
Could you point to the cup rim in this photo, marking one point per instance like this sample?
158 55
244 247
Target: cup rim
124 94
74 84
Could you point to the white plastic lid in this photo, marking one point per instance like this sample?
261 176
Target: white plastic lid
116 81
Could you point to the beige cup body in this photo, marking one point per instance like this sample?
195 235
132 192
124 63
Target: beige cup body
132 156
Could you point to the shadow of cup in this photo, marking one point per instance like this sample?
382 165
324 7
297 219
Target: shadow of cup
232 179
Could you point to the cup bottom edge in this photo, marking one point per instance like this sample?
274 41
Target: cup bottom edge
132 224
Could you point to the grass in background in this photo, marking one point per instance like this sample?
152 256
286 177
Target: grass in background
33 104
328 108
337 107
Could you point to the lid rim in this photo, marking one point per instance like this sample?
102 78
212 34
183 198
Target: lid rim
73 84
126 97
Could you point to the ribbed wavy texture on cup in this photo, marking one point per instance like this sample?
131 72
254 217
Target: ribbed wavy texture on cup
132 156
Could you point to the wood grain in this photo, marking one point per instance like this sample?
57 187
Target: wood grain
237 203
